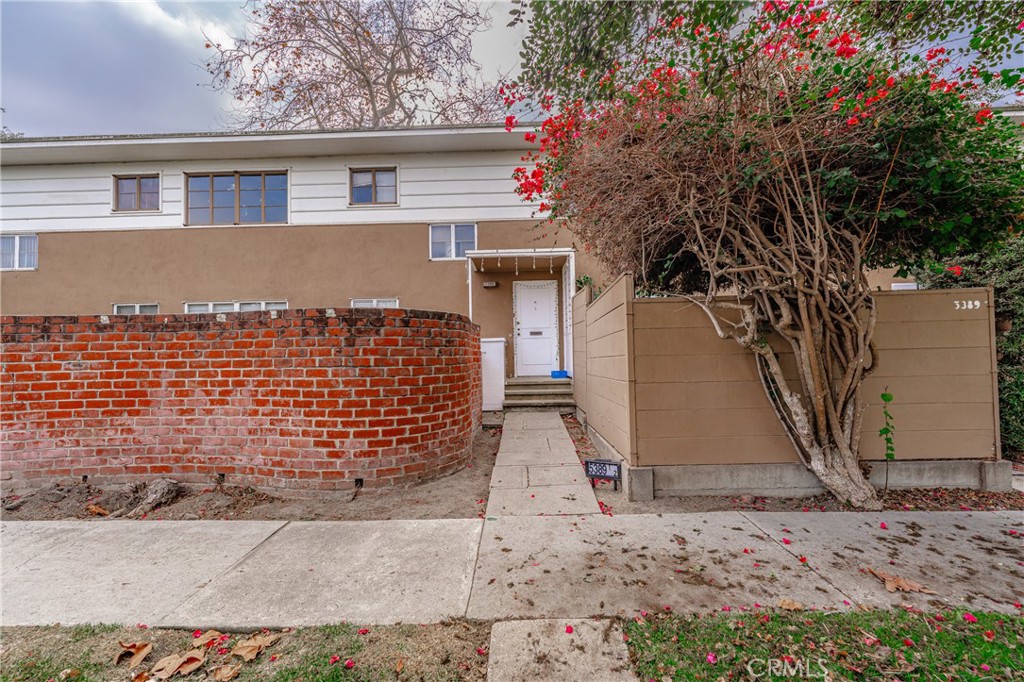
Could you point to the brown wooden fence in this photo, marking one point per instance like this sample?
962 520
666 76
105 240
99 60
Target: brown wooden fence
659 386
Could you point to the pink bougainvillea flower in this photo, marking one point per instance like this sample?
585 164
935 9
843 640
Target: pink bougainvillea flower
989 635
349 663
568 629
667 607
787 541
333 660
197 634
970 618
510 123
364 631
712 659
273 657
852 121
223 651
983 115
747 550
480 651
530 137
803 560
908 642
757 565
142 626
883 526
985 667
846 602
727 608
957 271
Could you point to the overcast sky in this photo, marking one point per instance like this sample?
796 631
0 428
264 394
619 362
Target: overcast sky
93 67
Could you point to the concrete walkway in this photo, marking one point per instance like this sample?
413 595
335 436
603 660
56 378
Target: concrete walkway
238 574
537 471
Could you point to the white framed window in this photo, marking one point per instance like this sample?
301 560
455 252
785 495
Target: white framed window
19 252
136 193
451 241
136 308
373 186
374 303
236 198
233 306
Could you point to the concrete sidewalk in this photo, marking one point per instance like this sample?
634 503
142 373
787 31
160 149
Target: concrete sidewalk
237 574
537 471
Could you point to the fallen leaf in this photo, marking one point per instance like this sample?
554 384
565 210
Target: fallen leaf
168 666
895 582
790 605
251 648
399 666
137 650
203 639
223 673
142 676
96 510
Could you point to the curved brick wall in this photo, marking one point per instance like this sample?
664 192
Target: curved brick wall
297 400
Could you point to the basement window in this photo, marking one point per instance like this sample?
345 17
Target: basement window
136 308
374 303
234 306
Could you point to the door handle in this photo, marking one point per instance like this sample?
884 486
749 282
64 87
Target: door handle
536 333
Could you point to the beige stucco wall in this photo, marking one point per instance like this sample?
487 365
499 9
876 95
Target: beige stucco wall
308 266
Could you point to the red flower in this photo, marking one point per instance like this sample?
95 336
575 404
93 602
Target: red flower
803 560
883 526
510 123
568 629
786 541
364 631
908 642
983 115
529 137
349 663
480 651
990 635
956 270
852 121
970 618
197 634
333 660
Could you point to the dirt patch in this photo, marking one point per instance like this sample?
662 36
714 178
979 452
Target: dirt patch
460 495
453 650
916 499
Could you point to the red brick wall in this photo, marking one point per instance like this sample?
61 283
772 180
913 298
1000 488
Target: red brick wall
298 400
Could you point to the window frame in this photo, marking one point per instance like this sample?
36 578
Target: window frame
115 306
352 302
236 305
451 238
373 168
237 174
138 177
17 252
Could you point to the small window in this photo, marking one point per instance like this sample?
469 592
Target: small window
373 186
453 240
234 306
374 303
136 308
237 198
19 252
136 192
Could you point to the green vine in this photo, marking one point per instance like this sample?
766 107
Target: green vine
887 432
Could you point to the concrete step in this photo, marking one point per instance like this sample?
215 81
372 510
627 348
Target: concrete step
565 405
521 390
537 381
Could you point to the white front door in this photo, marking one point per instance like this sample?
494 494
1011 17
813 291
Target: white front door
536 327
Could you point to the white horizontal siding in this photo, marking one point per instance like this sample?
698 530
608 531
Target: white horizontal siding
462 186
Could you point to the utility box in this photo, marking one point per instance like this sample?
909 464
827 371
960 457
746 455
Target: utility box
492 352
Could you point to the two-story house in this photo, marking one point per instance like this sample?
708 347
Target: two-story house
423 218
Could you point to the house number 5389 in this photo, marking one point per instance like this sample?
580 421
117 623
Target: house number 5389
966 305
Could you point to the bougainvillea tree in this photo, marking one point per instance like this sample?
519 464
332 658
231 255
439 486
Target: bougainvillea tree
760 169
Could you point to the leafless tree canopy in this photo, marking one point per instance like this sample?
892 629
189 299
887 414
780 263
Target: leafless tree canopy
356 63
